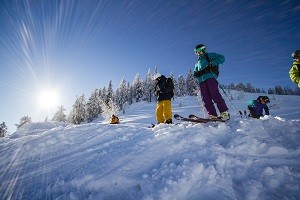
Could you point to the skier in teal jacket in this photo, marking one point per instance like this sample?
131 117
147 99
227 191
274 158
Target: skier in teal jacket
206 73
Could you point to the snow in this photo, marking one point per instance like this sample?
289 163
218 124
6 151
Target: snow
240 159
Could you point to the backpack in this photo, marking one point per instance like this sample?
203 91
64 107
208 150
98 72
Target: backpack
214 69
252 104
170 86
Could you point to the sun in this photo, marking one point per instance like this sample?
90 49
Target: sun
48 99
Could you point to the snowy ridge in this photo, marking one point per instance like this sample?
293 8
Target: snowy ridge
239 159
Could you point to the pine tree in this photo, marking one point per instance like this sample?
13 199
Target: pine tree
3 129
137 87
271 91
121 95
149 86
24 120
78 113
278 90
129 94
108 108
181 86
191 84
109 94
93 108
60 116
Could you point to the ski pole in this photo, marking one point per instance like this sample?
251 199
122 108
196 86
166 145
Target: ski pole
224 91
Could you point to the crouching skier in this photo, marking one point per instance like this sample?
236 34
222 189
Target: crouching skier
114 120
256 107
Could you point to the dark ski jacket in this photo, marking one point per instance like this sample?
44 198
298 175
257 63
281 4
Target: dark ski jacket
161 90
256 109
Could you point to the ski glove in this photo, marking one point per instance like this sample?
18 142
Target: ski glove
197 74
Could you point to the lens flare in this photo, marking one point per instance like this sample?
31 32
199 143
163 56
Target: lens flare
48 99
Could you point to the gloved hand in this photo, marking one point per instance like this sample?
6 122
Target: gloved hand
197 74
209 65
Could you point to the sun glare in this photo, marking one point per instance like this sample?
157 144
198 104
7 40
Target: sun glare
48 99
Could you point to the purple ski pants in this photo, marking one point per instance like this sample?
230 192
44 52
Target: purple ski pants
210 95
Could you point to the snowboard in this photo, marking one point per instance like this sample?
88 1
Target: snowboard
194 118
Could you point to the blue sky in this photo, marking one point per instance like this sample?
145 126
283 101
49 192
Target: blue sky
77 46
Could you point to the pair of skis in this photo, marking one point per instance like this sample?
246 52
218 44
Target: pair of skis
194 118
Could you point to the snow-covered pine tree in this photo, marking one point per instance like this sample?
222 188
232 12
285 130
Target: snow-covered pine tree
93 106
149 86
129 94
59 115
249 88
78 113
137 87
109 94
24 120
108 108
3 129
121 95
279 90
191 84
181 86
155 70
176 86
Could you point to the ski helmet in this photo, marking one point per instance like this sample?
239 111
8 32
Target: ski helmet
199 48
156 75
296 54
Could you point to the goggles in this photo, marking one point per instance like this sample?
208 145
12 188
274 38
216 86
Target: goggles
198 50
265 100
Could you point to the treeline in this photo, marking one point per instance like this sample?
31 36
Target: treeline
107 101
278 90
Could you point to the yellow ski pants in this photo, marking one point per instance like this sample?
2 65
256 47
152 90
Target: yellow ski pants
163 111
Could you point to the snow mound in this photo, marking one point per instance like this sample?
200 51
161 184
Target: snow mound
35 128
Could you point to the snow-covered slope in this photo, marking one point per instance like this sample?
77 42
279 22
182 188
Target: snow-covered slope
240 159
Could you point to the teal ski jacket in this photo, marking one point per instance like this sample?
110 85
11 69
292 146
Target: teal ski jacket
202 63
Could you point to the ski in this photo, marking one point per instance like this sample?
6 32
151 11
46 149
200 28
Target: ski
194 117
154 125
151 126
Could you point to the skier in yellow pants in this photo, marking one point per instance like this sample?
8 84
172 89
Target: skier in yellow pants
164 112
164 91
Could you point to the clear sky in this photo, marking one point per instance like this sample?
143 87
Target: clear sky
74 47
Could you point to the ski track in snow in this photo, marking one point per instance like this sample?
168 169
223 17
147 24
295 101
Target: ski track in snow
238 159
